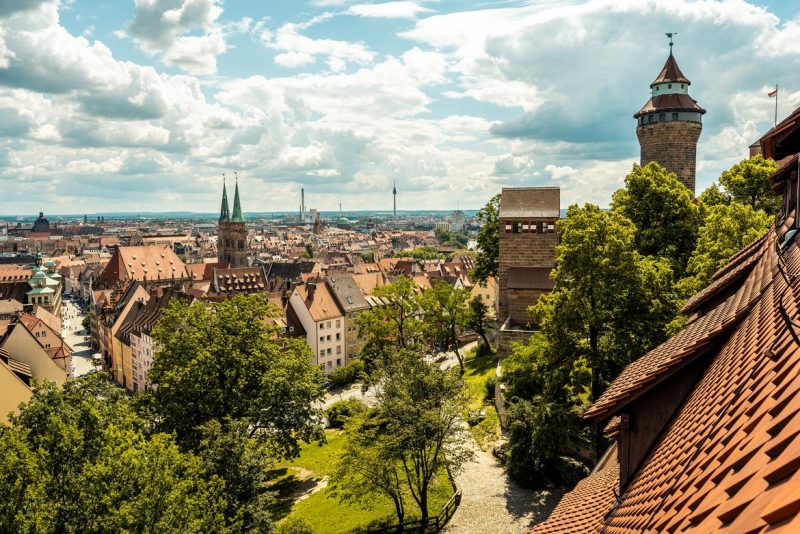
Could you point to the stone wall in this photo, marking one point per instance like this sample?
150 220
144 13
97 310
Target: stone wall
673 145
523 250
232 244
508 335
518 302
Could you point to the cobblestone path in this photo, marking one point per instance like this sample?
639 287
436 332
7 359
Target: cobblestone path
492 503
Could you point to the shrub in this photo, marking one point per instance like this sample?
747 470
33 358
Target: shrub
341 410
483 350
294 525
491 381
344 376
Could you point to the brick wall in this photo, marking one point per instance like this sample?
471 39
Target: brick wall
233 253
509 336
522 250
673 145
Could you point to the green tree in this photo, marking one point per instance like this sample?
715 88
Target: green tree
478 318
368 257
397 321
310 250
242 462
610 304
368 466
727 229
223 362
445 310
79 459
747 182
661 209
421 406
85 322
488 260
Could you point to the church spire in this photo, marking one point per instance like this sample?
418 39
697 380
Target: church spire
224 214
237 206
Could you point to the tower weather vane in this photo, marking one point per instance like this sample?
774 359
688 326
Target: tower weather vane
670 40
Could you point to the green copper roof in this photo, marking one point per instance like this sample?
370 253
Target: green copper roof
224 214
237 207
41 291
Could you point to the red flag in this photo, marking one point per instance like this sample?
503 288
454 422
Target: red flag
772 93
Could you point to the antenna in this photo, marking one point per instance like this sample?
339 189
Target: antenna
669 35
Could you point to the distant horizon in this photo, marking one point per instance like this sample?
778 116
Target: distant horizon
209 215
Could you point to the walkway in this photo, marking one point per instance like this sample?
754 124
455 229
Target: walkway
492 503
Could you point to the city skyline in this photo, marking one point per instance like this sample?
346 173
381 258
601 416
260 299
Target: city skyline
140 106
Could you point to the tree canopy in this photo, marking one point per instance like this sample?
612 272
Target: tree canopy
488 260
747 182
222 362
80 460
661 210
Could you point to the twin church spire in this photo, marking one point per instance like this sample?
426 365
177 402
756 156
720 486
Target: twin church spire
224 214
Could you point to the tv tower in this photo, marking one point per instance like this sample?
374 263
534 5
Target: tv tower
394 192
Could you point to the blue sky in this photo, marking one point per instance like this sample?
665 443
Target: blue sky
141 105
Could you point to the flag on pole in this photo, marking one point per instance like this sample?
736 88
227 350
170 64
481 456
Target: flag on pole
773 93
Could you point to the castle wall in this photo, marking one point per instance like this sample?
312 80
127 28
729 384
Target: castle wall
530 248
673 145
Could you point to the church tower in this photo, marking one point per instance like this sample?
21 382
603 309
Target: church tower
669 125
231 233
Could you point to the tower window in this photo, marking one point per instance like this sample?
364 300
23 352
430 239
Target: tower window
662 117
516 227
542 227
669 86
681 86
674 116
649 118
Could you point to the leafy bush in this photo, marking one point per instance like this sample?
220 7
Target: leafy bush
344 376
491 382
294 525
341 410
483 350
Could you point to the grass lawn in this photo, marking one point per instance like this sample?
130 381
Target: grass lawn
478 369
322 509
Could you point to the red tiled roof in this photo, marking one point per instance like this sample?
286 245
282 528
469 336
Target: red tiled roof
682 348
729 459
670 102
593 496
670 73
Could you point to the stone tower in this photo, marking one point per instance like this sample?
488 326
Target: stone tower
669 125
231 233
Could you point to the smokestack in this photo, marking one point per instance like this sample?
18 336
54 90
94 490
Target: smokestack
302 204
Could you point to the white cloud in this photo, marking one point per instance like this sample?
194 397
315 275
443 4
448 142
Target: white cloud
299 50
160 27
510 165
389 10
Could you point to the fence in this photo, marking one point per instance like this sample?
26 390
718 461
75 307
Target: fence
431 525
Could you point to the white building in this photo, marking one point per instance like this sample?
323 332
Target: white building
324 323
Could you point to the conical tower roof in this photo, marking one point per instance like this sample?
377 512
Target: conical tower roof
670 72
224 214
237 206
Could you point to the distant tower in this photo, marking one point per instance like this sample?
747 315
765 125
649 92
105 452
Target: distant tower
669 125
394 193
231 233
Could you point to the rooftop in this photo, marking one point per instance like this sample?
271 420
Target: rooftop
533 202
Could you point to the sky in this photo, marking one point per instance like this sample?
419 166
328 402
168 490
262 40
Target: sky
143 105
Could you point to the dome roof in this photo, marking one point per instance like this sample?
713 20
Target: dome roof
40 274
50 263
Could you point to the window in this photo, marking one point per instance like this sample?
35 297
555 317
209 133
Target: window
322 326
330 364
669 86
338 336
662 117
487 296
674 116
322 353
44 333
338 323
321 339
328 325
291 329
338 362
649 118
516 227
541 227
328 337
338 349
329 352
681 86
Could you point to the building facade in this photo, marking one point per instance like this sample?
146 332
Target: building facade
669 124
231 233
316 309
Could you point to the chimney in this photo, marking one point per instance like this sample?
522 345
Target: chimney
311 288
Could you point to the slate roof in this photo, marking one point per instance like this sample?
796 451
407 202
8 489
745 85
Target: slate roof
729 459
347 293
533 202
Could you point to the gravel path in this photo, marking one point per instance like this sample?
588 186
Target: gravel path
492 503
